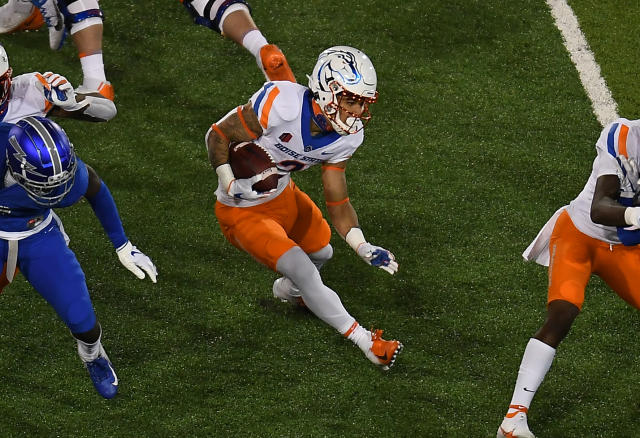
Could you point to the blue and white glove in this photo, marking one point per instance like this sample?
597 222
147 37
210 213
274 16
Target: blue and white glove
378 257
136 261
631 172
60 92
371 254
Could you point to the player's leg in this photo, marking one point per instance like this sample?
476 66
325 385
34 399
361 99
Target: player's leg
17 15
53 270
569 272
326 305
312 234
84 18
619 267
233 20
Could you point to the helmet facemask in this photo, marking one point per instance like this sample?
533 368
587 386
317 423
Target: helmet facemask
338 106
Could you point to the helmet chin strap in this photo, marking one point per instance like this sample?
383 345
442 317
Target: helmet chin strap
319 118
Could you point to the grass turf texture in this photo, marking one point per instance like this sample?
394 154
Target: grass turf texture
481 132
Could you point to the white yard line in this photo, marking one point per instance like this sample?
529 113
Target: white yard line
604 107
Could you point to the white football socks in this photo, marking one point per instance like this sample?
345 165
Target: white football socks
253 41
535 364
89 352
359 336
92 70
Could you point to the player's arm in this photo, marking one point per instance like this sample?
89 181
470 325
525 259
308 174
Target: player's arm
240 124
105 209
345 220
605 208
59 92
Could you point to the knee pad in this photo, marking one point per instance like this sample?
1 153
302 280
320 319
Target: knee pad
80 14
79 316
211 13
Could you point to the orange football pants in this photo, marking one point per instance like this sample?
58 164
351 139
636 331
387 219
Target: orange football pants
574 256
268 230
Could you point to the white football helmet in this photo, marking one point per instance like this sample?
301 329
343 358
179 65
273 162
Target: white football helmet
344 72
5 76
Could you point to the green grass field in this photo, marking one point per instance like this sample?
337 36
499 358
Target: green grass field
482 131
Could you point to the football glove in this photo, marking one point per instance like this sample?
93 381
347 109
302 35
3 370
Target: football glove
378 257
60 92
136 262
243 188
630 170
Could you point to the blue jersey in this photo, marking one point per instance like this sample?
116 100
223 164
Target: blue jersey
18 212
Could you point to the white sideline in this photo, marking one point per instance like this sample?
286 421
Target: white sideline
604 106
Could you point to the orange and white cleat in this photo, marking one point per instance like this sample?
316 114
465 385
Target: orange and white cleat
515 424
383 353
13 20
103 89
274 64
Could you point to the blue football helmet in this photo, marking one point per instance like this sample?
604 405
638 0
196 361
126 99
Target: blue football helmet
41 159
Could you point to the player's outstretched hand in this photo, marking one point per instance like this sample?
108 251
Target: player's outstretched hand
60 92
378 257
243 188
136 261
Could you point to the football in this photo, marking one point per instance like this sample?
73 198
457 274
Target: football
248 159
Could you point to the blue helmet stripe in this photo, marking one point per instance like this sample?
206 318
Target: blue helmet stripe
49 143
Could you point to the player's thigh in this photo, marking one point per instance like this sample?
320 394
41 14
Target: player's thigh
54 272
619 267
570 264
310 231
260 235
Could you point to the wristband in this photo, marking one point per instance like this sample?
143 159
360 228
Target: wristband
225 175
632 216
355 238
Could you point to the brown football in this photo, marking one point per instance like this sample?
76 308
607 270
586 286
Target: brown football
248 159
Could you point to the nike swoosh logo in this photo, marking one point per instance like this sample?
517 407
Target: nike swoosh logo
115 377
384 357
528 390
325 153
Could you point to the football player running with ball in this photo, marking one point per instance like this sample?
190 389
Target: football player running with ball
283 228
40 171
597 233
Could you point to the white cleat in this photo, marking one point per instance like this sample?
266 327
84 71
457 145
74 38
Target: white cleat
515 424
285 291
19 15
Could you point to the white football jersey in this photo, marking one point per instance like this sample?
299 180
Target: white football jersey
619 138
26 99
284 111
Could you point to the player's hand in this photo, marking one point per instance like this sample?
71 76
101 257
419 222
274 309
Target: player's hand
60 92
631 172
136 262
243 188
378 257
